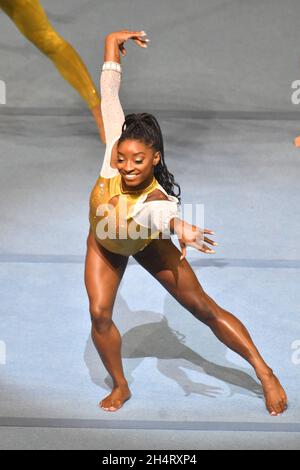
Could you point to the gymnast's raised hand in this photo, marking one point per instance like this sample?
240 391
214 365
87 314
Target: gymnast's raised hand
120 37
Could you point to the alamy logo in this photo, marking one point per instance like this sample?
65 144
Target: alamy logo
296 95
2 353
296 354
113 224
2 92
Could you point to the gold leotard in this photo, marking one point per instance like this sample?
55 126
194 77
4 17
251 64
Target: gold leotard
127 214
103 191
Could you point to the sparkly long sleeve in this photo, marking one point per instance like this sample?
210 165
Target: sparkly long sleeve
157 214
112 114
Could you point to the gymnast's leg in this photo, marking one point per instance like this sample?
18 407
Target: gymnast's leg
161 260
31 19
103 273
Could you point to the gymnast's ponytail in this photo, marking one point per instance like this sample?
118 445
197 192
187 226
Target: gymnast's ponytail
144 127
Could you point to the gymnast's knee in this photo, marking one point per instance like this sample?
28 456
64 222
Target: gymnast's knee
101 318
204 308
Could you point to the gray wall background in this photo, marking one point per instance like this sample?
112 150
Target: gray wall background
205 55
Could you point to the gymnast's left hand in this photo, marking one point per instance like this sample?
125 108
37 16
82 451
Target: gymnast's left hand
191 235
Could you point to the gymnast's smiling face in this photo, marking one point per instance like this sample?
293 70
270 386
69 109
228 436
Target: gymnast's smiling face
136 162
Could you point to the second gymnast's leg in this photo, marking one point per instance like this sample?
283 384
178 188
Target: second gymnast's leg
31 19
161 260
103 273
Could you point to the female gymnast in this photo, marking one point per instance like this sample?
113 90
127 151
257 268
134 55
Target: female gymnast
31 19
135 184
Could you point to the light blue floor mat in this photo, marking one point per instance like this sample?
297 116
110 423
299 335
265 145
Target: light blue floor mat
182 378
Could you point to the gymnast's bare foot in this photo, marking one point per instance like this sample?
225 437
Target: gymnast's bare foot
116 399
275 396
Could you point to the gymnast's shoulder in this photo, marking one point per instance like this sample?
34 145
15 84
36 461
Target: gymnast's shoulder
156 195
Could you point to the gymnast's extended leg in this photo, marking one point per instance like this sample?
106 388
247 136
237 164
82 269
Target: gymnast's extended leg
31 20
161 260
103 274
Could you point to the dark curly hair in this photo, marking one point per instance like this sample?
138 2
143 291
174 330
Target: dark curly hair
144 127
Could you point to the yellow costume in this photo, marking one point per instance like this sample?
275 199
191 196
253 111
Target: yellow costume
123 227
32 21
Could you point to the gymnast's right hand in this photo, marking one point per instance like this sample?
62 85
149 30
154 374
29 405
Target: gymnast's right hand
139 37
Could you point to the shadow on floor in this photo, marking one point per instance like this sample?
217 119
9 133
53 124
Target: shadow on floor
157 339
